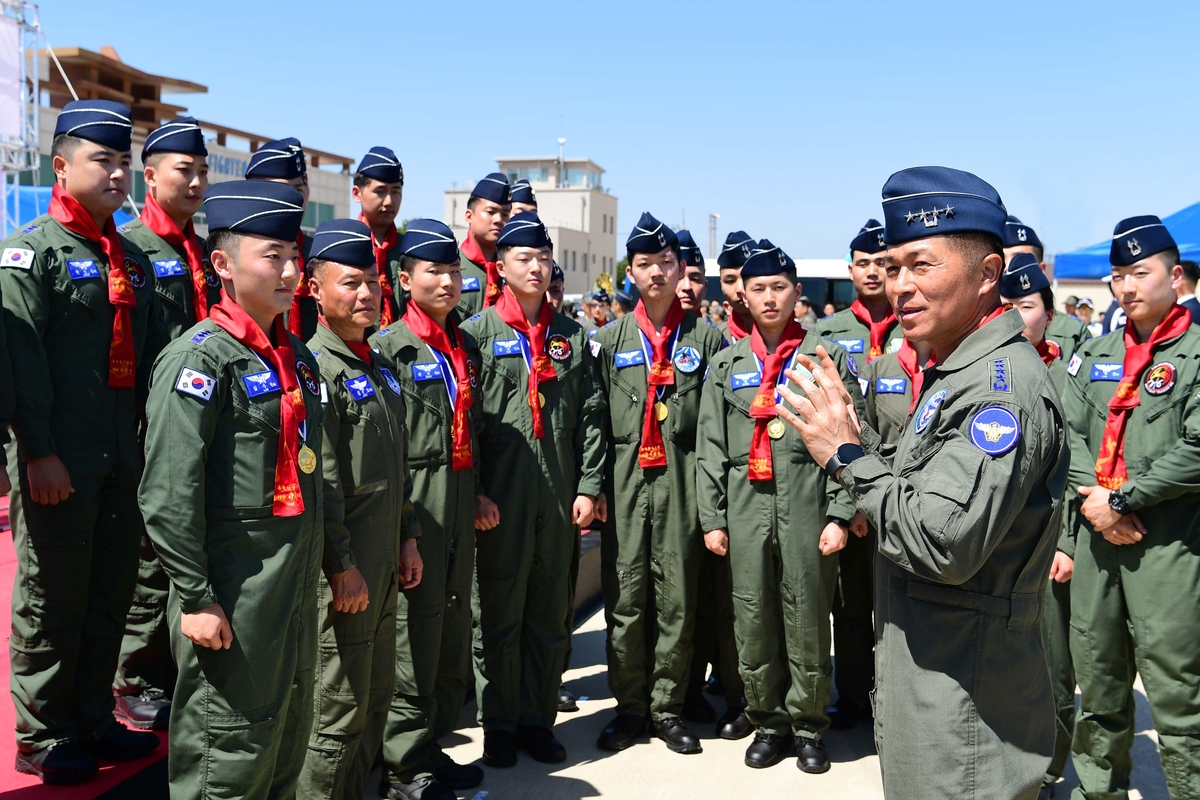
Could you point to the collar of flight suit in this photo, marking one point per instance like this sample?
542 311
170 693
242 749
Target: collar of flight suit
983 342
324 339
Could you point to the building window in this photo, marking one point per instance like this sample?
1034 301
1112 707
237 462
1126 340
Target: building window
573 254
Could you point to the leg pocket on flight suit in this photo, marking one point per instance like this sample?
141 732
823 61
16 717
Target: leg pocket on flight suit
666 609
345 687
236 749
752 649
1081 652
417 648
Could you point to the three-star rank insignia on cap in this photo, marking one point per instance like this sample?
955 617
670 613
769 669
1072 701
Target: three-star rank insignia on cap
1135 249
995 430
558 347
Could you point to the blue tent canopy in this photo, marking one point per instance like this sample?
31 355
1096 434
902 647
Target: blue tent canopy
1092 262
27 203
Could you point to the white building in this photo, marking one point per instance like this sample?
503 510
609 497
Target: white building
578 211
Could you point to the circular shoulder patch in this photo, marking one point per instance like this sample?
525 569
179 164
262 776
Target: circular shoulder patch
472 373
852 365
687 358
305 374
995 430
210 274
929 410
559 347
1160 378
137 276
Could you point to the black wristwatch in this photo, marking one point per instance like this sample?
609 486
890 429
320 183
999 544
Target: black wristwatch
842 458
1118 502
845 523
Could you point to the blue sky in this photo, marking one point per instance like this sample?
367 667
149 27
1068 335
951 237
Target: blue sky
786 118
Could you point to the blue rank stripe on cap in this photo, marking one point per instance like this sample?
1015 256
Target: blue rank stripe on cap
345 241
262 208
522 192
431 240
735 251
104 122
279 158
524 230
650 236
1023 276
869 238
493 187
181 135
767 259
1137 238
1017 233
381 164
689 251
936 201
995 430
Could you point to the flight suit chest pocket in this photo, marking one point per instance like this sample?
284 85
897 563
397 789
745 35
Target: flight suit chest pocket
257 394
83 285
366 446
172 290
566 410
948 489
738 425
626 403
683 400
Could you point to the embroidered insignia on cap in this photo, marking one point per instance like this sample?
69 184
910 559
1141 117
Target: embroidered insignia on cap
17 258
850 345
742 380
1074 365
168 269
595 347
687 358
506 347
1000 376
390 379
629 358
1160 378
995 430
929 410
470 285
427 372
195 383
82 270
260 383
1135 249
890 385
360 388
558 347
1022 236
305 374
1107 372
137 275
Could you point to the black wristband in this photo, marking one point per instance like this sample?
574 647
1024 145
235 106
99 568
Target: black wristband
845 454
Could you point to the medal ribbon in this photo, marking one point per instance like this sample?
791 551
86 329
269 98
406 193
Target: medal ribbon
75 218
295 321
762 408
540 366
157 220
471 250
1110 467
659 372
458 382
288 498
387 314
878 329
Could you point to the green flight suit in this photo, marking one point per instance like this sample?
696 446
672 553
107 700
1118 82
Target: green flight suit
523 565
887 391
392 267
853 623
1069 333
241 717
782 586
474 287
650 546
309 313
145 662
433 667
77 560
967 515
1133 606
368 513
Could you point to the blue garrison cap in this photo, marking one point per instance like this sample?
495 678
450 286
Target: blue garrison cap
261 208
1022 276
381 164
430 240
600 295
1017 233
493 187
650 236
346 241
937 201
869 238
278 158
623 298
296 147
522 192
767 259
736 250
1138 237
104 122
182 135
556 273
524 230
689 251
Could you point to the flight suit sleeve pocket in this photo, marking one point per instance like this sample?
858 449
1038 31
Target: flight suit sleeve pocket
945 501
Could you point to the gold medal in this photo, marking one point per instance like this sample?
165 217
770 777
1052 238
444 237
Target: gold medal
541 400
661 411
775 428
307 460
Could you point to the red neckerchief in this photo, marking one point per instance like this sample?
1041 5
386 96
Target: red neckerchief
762 409
1049 351
436 337
288 498
542 369
386 315
361 350
907 356
659 372
878 329
295 318
75 218
1110 467
158 221
738 329
471 250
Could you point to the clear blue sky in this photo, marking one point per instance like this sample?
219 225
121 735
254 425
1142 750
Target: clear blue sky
786 118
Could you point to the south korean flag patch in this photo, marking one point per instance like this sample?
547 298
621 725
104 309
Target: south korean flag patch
196 383
17 258
1074 365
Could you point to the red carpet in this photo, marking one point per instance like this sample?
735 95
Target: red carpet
14 785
